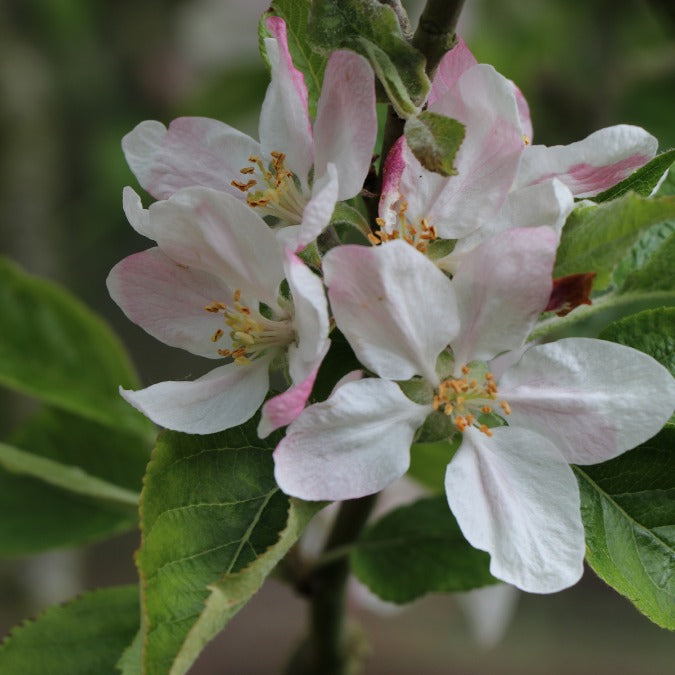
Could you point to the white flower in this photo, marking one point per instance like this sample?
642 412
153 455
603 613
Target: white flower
212 288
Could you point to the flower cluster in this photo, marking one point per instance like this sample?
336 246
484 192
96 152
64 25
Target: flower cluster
442 339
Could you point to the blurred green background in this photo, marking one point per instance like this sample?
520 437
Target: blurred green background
76 75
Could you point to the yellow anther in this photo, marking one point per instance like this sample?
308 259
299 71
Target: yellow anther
485 430
215 307
505 407
486 409
466 370
217 335
224 352
247 170
244 187
527 140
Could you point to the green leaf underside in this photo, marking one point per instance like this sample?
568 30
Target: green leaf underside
310 63
628 509
651 331
643 181
372 30
38 516
84 637
642 251
596 238
658 272
54 348
434 140
418 549
71 478
210 507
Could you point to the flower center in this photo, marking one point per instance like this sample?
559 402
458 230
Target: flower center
272 189
464 399
419 236
250 332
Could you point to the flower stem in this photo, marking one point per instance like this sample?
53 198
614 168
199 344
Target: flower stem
328 650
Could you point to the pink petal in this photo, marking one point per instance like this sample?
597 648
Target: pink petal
193 151
590 166
593 399
502 286
353 444
284 120
214 232
486 162
138 217
396 308
346 123
455 62
392 172
310 318
221 399
167 300
515 497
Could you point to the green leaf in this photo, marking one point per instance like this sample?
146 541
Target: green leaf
628 509
596 238
643 181
310 63
651 331
83 637
71 478
428 462
371 29
344 214
52 347
38 516
210 508
435 139
418 549
657 274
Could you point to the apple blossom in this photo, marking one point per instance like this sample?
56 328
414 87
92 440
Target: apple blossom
212 287
298 171
510 487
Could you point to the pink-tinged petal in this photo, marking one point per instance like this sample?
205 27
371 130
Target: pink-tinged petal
590 166
353 444
138 217
284 119
391 179
193 151
282 409
593 399
524 114
396 308
217 233
318 211
167 300
515 497
546 204
346 123
310 318
223 398
486 162
455 62
489 611
502 286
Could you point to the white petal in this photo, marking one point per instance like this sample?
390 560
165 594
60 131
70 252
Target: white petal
353 444
168 301
396 308
515 497
346 124
489 611
587 167
138 217
317 213
223 398
310 318
486 162
217 233
193 151
284 119
502 286
594 399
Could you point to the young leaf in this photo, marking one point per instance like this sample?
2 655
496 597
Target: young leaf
38 516
418 549
651 331
210 508
52 347
372 29
646 246
435 139
629 517
310 63
596 238
643 181
657 274
87 635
